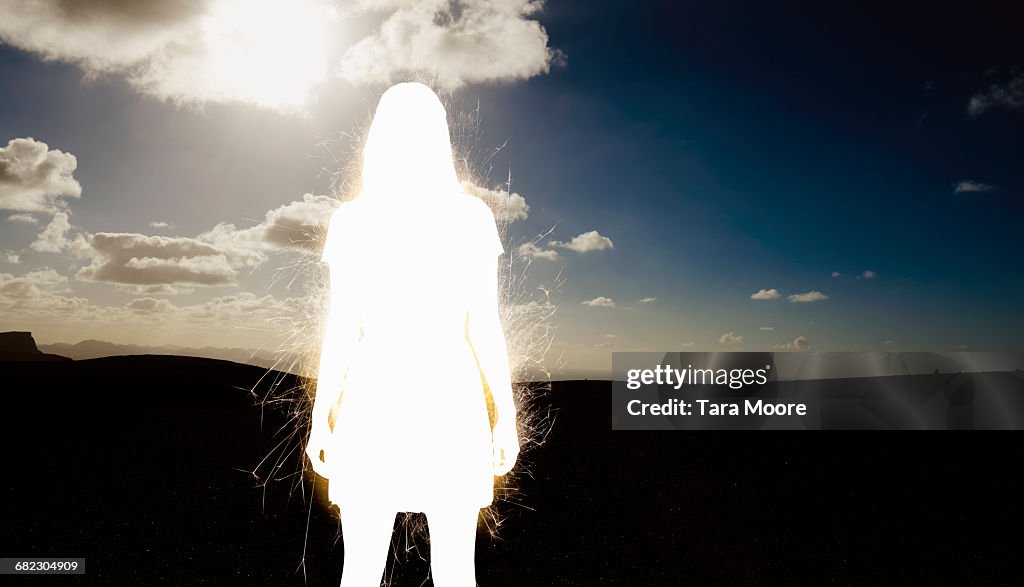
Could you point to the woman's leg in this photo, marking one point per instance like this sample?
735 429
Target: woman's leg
366 533
453 546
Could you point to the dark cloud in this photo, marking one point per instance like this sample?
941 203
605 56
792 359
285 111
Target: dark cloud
1008 96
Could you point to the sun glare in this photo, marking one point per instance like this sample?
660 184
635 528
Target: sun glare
268 52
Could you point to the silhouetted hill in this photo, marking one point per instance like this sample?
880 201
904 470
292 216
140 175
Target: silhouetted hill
143 465
94 349
20 346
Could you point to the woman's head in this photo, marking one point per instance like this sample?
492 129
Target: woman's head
408 151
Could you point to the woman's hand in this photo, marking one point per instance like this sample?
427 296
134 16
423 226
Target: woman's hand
318 443
506 445
320 435
321 424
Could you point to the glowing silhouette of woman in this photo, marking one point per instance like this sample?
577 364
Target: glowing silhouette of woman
412 347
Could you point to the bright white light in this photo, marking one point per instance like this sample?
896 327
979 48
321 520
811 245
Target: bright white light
414 408
267 52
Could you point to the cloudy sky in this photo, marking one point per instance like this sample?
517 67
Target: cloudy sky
684 175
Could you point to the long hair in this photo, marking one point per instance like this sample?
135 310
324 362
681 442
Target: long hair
408 150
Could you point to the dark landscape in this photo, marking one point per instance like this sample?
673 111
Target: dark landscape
95 349
144 466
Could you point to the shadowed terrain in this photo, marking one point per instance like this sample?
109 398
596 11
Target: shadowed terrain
142 465
95 349
20 346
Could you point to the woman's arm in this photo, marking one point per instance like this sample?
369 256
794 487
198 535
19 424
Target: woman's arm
487 337
340 337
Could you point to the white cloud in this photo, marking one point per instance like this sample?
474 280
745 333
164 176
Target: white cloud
456 43
40 277
600 302
1008 96
586 242
39 292
765 294
610 336
161 289
33 177
968 186
532 251
23 218
869 274
40 299
277 53
507 207
240 309
159 224
797 344
137 259
767 328
52 239
147 305
811 296
299 225
243 308
835 274
730 338
647 300
11 258
686 345
269 52
161 265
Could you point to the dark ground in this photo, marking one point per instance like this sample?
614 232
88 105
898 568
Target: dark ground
138 464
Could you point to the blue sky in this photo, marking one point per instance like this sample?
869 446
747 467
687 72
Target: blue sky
722 149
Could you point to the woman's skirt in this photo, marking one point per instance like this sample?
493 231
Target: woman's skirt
412 433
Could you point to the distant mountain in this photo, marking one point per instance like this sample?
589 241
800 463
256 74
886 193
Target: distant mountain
94 349
20 346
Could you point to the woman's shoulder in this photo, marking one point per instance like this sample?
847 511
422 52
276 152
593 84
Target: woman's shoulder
350 206
463 204
474 205
345 210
